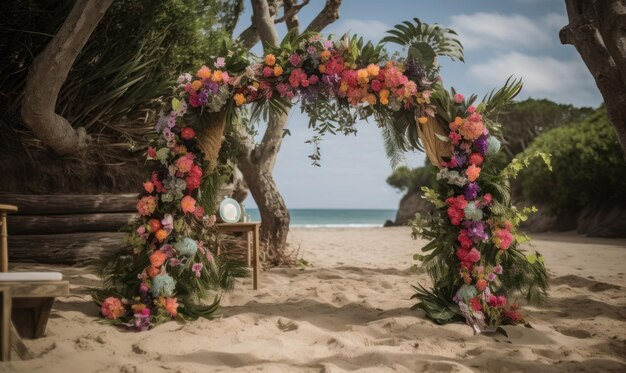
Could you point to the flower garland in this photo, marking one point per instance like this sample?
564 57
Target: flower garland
172 267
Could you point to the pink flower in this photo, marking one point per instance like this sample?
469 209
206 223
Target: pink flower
376 85
146 205
458 98
199 212
185 163
112 308
473 256
502 238
220 62
148 186
294 59
471 109
498 269
197 269
313 79
268 71
455 215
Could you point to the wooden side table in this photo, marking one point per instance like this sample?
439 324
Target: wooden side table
250 229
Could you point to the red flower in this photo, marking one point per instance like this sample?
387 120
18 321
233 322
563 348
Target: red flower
155 224
193 180
157 183
187 133
456 215
476 159
476 305
481 284
151 152
464 239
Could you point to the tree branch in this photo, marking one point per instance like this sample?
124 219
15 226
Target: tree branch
291 14
326 16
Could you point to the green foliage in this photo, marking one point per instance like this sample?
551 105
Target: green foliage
425 42
130 60
587 162
524 120
407 179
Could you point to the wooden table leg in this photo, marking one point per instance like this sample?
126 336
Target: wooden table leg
5 324
249 239
255 271
4 246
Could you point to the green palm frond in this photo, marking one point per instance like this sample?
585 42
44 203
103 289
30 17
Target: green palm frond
425 42
497 100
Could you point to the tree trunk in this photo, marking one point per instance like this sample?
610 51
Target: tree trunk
597 29
48 73
211 140
257 161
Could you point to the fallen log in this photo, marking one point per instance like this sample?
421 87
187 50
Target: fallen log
53 204
63 248
55 224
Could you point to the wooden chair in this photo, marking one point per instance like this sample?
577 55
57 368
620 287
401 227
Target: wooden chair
26 300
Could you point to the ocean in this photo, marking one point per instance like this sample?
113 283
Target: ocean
334 218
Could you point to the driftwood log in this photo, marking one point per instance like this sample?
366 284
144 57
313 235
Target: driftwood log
56 224
68 248
52 204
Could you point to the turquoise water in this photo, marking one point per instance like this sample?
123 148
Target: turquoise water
347 218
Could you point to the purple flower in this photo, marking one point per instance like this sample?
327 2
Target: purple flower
471 191
168 223
220 62
212 87
498 269
143 288
174 262
481 144
461 159
168 250
328 44
203 97
197 269
142 321
476 230
311 49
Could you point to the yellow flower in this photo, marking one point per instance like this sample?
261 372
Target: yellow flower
363 76
325 55
384 96
217 76
204 72
196 85
343 87
278 71
270 60
422 120
373 69
239 98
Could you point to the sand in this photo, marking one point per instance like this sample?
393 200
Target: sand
350 310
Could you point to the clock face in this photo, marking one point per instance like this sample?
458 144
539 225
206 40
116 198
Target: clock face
230 211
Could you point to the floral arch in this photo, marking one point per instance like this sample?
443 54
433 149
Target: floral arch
473 256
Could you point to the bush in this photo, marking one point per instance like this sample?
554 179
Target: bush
407 179
587 162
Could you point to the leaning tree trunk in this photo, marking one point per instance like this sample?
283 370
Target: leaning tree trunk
48 73
597 29
273 210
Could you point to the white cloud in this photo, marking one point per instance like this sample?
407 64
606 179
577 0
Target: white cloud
562 81
373 30
480 30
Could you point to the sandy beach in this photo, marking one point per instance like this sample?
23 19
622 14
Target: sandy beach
350 310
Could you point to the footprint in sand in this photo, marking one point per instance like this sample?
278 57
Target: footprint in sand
571 332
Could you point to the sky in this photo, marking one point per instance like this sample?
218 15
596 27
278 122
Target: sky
500 38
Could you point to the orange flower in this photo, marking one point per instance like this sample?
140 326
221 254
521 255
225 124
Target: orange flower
422 120
373 69
188 204
481 284
148 186
196 85
155 224
384 96
157 258
472 172
204 72
240 99
278 71
325 55
170 305
152 271
371 99
161 235
217 76
322 68
270 60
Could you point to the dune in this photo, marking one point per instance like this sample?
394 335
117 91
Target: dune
349 310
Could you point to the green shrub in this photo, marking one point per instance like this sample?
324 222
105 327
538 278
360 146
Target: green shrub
587 162
407 179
